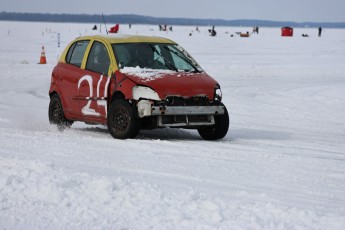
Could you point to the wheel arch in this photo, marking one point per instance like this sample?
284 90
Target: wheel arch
51 94
117 95
65 110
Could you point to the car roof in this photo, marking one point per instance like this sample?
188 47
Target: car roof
121 38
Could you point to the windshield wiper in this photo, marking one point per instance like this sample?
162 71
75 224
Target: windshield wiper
183 58
167 63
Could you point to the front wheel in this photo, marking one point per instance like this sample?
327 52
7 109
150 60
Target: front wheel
122 121
218 130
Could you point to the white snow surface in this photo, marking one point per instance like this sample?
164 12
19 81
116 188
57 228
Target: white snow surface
281 166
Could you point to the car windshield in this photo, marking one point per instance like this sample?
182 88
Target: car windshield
154 56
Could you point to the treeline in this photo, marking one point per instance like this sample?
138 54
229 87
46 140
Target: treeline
138 19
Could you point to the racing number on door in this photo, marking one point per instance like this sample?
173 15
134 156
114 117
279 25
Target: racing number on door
101 101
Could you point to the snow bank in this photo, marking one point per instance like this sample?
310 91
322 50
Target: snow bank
36 195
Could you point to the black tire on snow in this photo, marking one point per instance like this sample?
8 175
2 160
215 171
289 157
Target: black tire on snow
56 114
122 121
218 130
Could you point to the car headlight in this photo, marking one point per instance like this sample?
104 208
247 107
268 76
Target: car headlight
142 92
218 93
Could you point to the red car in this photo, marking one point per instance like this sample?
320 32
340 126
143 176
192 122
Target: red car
134 82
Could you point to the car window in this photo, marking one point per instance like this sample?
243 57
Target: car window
76 53
122 55
138 54
179 62
154 56
98 60
157 55
181 59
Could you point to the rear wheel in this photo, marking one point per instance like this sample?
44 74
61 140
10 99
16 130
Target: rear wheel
218 130
56 114
122 120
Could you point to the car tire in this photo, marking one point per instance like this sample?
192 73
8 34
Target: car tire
56 114
218 130
122 121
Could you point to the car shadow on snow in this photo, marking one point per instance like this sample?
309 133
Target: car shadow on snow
254 134
155 134
169 134
184 134
90 131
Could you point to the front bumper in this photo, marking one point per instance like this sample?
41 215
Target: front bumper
187 110
186 116
180 116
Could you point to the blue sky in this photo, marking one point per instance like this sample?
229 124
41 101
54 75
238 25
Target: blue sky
278 10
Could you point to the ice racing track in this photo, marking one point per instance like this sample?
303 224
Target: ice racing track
281 166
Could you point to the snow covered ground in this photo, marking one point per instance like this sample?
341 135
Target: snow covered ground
281 166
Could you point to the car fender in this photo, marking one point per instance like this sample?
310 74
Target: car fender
122 84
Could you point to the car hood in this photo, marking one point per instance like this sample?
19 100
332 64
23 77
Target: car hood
171 83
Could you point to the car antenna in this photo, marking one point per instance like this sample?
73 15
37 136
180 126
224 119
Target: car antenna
105 25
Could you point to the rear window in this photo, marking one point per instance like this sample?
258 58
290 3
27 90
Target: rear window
76 53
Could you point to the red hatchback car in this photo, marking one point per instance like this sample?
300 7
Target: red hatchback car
135 82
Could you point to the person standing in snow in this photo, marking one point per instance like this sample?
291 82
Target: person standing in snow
320 30
212 32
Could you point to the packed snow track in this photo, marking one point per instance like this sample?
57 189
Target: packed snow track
281 165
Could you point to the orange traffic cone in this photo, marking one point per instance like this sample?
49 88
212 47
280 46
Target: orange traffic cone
43 59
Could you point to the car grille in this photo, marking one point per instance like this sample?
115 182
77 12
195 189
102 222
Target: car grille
185 120
172 119
192 101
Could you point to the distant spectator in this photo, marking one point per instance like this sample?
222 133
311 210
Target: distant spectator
162 27
320 30
212 32
255 30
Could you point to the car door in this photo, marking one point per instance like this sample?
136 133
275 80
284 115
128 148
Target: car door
71 73
96 76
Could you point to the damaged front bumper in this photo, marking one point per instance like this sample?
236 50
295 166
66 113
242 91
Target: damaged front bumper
180 116
187 110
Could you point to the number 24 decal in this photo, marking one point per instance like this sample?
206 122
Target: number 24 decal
101 101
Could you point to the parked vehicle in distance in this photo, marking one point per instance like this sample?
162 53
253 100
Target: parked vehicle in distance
131 83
